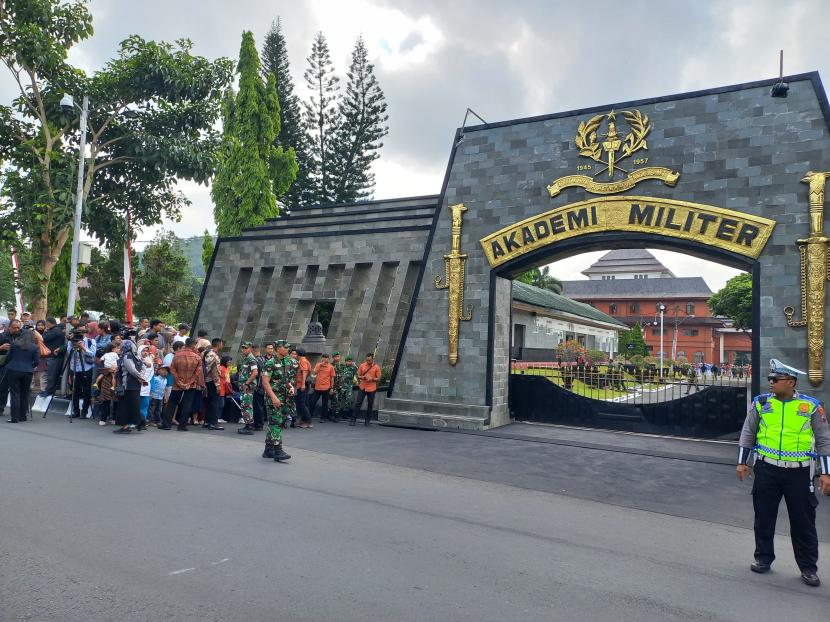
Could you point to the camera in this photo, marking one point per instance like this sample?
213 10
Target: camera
128 333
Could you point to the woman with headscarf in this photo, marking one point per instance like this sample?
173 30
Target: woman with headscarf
132 379
147 374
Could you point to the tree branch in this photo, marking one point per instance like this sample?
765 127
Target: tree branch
107 163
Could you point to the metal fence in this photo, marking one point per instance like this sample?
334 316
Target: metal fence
703 405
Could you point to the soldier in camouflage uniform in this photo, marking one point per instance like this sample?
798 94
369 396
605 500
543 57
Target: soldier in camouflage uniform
286 367
273 382
248 371
343 382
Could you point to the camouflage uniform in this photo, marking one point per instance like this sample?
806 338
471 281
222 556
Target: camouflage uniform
275 417
246 394
343 382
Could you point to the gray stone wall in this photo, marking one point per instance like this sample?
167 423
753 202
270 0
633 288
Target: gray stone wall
739 149
264 285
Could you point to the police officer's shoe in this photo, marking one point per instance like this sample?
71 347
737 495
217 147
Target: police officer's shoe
246 430
760 568
268 453
811 579
280 455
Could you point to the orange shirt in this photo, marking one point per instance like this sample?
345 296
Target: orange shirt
372 375
325 376
303 372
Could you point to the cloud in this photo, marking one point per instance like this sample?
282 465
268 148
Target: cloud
503 59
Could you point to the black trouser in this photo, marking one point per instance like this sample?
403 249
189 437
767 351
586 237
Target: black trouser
183 400
4 388
54 365
358 402
19 384
129 412
301 401
81 388
214 403
771 483
324 409
259 409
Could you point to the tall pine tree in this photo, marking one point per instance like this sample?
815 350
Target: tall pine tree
292 130
361 126
252 172
321 120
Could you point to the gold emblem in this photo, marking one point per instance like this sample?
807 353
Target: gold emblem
454 281
610 148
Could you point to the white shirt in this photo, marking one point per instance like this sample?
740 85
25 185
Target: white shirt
146 374
179 338
110 360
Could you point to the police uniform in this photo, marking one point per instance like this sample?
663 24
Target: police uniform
782 435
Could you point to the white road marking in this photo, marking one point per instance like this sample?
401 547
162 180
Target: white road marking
221 561
180 571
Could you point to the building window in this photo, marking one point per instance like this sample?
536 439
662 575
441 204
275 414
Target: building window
690 308
612 309
690 332
698 357
634 307
655 332
681 353
640 276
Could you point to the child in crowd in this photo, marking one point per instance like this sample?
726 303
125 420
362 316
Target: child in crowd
157 386
105 386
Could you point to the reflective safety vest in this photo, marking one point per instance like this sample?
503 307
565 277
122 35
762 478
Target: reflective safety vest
784 428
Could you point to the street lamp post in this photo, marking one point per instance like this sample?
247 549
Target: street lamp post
662 308
68 102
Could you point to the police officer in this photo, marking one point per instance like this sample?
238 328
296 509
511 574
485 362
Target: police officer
780 429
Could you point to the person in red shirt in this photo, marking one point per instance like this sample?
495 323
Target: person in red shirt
323 387
368 373
188 379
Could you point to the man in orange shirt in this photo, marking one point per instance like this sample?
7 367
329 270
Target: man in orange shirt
368 373
301 387
323 386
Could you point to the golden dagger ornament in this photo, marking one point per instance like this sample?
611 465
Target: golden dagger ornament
814 276
454 282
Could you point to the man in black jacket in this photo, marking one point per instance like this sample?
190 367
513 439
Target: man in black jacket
54 338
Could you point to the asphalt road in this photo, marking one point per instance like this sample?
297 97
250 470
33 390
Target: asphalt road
375 524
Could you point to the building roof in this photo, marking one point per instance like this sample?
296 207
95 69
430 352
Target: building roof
627 260
678 287
549 300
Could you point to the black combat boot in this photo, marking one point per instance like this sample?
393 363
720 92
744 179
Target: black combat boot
245 430
269 451
279 454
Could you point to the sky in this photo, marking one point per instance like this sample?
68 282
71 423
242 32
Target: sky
505 60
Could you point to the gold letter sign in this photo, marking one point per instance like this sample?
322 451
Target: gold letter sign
737 232
813 252
454 281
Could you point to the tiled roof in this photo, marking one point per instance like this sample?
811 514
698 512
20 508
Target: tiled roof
549 300
627 260
688 286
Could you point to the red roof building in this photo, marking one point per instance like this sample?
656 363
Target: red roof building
630 285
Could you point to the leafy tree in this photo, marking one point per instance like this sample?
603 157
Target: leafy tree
252 172
165 286
6 277
734 301
597 356
152 110
361 126
631 342
321 120
207 250
291 132
104 290
59 283
541 278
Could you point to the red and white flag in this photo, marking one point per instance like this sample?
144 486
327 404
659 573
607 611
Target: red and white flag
128 276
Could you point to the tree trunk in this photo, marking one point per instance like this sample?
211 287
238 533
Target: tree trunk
49 254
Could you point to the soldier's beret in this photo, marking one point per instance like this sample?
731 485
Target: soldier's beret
282 343
245 344
335 353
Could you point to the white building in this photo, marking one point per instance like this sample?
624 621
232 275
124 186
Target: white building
542 319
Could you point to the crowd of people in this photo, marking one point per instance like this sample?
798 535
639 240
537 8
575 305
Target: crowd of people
158 376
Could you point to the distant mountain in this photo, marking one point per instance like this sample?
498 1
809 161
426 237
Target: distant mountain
192 248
